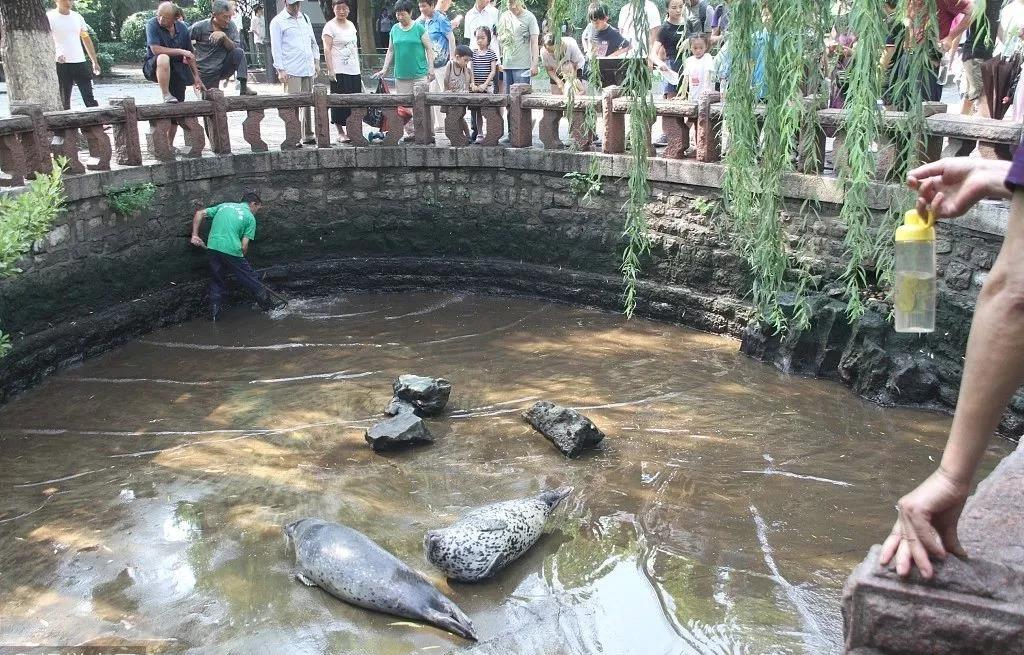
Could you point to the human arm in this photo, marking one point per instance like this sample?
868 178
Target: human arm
428 51
315 47
197 220
276 34
534 48
949 187
90 49
245 246
953 38
387 62
329 52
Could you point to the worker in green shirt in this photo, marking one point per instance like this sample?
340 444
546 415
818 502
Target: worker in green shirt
233 226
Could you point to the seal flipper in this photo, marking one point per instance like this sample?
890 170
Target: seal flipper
490 525
304 580
492 567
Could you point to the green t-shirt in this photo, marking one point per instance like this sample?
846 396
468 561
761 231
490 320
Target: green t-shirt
514 34
407 47
230 222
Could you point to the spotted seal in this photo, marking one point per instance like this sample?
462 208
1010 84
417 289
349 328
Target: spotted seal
488 538
349 565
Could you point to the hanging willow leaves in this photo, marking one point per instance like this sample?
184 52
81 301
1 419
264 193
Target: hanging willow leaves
862 123
740 183
637 87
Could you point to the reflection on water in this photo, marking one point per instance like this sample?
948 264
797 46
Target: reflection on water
144 491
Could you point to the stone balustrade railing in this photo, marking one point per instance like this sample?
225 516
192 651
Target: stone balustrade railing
30 137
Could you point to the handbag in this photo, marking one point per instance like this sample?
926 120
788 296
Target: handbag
375 115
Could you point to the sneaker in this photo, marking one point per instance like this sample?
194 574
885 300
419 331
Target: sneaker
662 141
504 141
169 99
473 136
309 141
247 92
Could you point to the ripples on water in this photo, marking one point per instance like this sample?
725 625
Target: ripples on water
144 491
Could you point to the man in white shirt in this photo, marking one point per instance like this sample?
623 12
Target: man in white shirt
69 32
626 23
296 56
483 14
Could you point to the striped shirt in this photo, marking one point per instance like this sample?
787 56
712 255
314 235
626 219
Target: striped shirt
482 64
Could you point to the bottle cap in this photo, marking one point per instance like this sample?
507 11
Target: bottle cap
916 228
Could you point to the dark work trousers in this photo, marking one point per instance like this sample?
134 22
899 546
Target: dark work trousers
222 264
68 75
234 64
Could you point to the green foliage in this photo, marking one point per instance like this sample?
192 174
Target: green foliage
106 62
583 185
122 53
129 199
201 9
133 30
26 217
706 207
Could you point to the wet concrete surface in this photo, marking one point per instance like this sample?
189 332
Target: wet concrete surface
143 493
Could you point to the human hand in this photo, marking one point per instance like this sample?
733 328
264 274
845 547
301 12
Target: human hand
196 241
534 71
949 187
187 56
926 525
96 69
215 37
431 76
200 87
283 77
61 59
379 74
946 45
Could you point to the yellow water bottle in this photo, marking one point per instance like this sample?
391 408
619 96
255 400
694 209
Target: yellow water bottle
914 294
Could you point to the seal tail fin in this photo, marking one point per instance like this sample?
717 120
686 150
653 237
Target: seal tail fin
453 621
554 496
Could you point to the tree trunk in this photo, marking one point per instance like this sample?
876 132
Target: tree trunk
28 54
365 27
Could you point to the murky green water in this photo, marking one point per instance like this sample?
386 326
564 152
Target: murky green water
143 493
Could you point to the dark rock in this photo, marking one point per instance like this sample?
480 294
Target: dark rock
913 380
428 395
406 429
398 406
569 430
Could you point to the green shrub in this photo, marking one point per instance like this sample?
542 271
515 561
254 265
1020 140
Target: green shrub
198 11
106 62
129 199
122 53
133 30
25 218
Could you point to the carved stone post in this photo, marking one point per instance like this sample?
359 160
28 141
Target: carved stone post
578 130
549 122
321 117
35 144
220 138
99 148
65 144
354 126
423 118
520 120
614 141
709 129
126 135
454 124
251 130
677 134
12 161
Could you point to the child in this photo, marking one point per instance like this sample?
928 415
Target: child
570 79
607 41
457 75
485 69
699 68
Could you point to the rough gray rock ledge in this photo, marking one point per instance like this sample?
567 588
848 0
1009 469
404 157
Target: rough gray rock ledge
970 606
570 431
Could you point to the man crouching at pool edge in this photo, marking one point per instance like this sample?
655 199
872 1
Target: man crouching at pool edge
232 228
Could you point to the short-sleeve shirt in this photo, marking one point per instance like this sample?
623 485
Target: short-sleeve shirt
483 62
514 34
698 19
669 37
407 46
720 18
476 19
157 35
570 53
230 222
344 46
438 28
946 13
625 25
210 56
975 46
66 30
609 40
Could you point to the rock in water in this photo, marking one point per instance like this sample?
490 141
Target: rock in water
427 395
569 430
406 429
398 406
350 566
486 539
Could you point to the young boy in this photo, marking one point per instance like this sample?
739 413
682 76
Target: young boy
485 71
458 76
699 69
607 41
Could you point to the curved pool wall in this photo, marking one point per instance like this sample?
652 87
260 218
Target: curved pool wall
482 219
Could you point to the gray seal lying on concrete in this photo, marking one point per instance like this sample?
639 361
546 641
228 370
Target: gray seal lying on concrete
488 538
349 565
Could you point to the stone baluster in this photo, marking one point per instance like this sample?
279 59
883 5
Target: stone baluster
126 135
614 141
99 148
12 161
220 137
677 133
931 145
520 119
549 123
423 118
195 137
354 126
158 144
396 128
251 130
455 124
494 125
578 131
65 144
321 116
35 144
709 129
811 144
292 128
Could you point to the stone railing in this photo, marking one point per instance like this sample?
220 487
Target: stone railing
30 136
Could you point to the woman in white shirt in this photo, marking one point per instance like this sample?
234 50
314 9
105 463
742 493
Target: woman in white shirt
341 52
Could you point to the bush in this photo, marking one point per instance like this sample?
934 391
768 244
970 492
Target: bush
122 53
198 11
130 199
133 31
106 62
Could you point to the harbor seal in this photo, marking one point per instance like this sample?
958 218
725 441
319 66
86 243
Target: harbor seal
350 566
488 538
